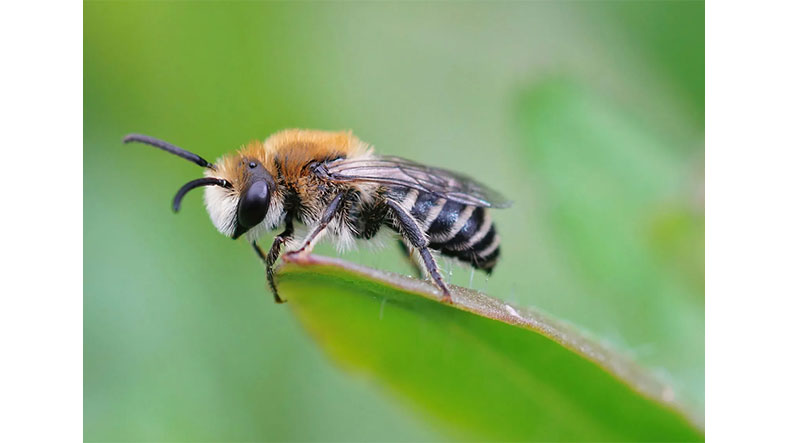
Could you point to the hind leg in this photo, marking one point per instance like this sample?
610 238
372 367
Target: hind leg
408 253
413 234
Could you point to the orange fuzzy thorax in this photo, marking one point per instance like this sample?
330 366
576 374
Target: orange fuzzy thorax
287 152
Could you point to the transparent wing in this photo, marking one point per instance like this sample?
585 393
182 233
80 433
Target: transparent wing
399 171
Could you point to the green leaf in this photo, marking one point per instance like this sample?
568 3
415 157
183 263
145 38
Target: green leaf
482 368
621 203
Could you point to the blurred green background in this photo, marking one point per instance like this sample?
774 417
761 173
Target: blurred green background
590 116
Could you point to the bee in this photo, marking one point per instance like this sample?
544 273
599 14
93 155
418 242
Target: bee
335 185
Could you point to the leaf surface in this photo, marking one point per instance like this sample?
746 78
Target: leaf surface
483 368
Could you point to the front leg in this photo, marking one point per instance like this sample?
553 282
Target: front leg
260 253
273 254
411 231
331 211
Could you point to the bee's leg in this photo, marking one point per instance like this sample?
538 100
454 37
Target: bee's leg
328 215
259 251
411 231
403 246
273 254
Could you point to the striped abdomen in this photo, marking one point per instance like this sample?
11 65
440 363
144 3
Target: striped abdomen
455 229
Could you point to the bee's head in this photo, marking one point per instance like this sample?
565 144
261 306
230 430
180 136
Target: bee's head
237 209
239 190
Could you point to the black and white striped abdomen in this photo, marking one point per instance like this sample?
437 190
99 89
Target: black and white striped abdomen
455 229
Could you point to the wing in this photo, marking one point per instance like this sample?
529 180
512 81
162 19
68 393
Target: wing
399 171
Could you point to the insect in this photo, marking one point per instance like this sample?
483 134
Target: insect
335 185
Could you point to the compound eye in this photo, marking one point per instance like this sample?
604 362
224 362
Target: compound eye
254 205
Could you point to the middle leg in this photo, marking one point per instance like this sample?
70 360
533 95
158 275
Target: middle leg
325 219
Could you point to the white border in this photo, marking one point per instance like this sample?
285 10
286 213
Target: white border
41 277
747 221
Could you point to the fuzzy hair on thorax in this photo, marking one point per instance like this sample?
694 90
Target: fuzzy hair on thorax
288 152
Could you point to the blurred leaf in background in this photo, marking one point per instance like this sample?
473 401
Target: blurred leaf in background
588 115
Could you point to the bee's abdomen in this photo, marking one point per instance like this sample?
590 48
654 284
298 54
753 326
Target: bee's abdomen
455 229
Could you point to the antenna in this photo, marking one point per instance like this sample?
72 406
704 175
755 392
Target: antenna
169 147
